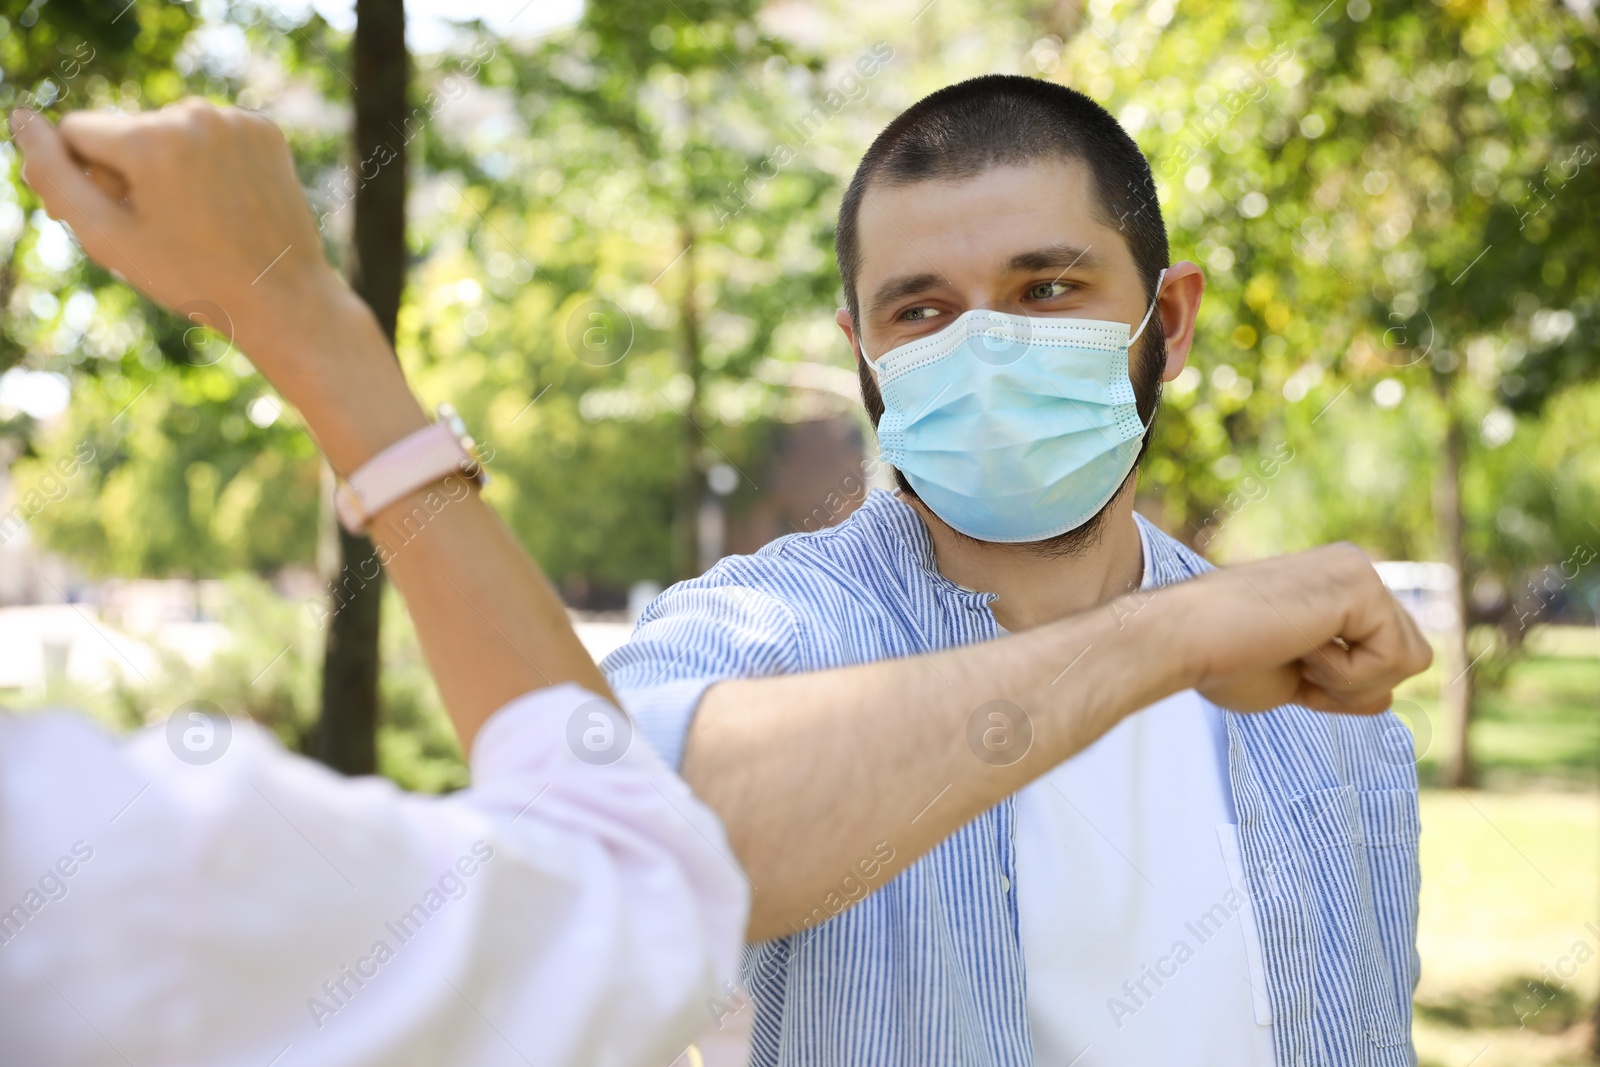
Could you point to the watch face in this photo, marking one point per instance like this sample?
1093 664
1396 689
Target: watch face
458 426
458 430
347 509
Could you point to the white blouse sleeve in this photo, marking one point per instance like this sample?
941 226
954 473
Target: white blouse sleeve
577 905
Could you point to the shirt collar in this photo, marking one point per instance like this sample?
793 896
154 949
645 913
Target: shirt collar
910 535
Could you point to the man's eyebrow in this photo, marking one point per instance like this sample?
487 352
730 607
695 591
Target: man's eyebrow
1060 257
903 286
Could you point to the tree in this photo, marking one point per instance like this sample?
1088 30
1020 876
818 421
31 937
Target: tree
179 464
66 54
667 227
1393 205
194 472
1472 131
348 730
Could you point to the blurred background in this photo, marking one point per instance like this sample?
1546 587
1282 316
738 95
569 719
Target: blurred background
603 232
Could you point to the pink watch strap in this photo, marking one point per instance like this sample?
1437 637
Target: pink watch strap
414 461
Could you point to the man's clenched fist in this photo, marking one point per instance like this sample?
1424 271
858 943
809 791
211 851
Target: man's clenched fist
1316 628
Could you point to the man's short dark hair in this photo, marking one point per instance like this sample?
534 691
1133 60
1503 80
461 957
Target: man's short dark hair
1007 120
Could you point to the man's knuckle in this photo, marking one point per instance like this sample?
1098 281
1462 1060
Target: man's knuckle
263 132
1357 558
198 122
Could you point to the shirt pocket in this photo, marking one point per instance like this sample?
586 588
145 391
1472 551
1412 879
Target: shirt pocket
1362 852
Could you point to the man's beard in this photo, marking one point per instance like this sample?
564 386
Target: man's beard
1145 365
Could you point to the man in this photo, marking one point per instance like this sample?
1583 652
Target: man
604 905
1193 887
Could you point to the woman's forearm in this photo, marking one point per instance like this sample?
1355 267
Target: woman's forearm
489 623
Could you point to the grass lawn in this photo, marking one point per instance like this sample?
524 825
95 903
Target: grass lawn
1509 881
1541 731
1511 872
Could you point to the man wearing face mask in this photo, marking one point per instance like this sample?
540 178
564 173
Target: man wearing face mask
1194 885
240 911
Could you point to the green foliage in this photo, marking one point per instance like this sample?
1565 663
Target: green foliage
62 54
265 671
1535 727
1393 205
181 481
1515 1001
602 280
1338 178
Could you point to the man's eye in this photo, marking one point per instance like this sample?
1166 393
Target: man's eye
1049 290
918 313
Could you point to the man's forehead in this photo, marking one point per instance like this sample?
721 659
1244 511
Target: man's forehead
994 215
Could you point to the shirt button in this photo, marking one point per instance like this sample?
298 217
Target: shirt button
1005 884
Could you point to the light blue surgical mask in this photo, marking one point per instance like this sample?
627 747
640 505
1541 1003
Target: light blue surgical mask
1013 428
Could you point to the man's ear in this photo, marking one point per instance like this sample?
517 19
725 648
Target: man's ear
864 366
1179 306
848 325
866 373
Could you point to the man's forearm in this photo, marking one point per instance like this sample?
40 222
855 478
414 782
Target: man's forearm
842 778
829 779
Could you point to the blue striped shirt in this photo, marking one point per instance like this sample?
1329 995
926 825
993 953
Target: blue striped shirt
929 970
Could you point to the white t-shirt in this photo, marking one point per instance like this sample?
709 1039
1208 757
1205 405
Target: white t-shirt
1138 937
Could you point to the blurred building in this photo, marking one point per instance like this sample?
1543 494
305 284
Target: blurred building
815 476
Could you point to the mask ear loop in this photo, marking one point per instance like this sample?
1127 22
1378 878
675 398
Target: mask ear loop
1151 310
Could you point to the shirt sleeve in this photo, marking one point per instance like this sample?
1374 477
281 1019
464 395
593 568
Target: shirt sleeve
692 636
576 905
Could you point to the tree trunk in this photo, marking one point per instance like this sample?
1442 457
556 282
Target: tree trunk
347 739
1455 683
691 481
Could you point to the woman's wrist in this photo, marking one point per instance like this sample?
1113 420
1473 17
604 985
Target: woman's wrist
331 360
